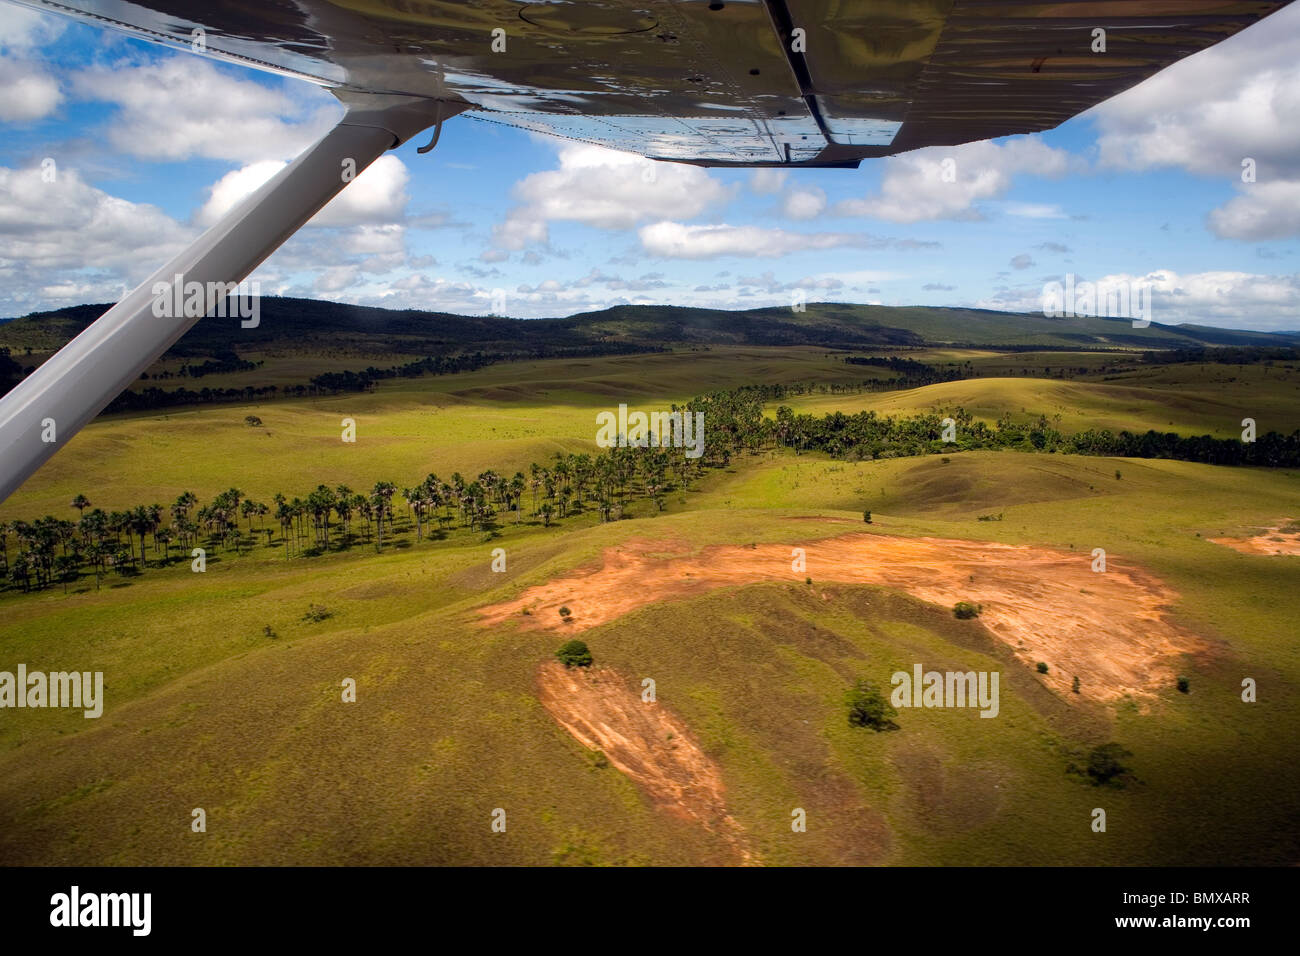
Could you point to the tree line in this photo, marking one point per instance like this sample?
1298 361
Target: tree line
53 550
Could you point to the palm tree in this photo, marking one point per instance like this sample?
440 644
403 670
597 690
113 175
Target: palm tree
141 522
65 569
377 507
81 503
98 554
384 491
344 506
163 536
284 515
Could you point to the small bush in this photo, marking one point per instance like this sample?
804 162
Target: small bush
574 654
869 708
1042 667
807 580
1105 765
1184 685
317 613
866 516
565 612
964 610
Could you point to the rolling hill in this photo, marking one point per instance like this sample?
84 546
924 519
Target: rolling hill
308 323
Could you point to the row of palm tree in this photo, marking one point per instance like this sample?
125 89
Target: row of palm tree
53 550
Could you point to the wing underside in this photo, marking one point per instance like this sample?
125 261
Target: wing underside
741 82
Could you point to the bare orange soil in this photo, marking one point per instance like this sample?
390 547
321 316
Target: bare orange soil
1271 541
604 712
1109 628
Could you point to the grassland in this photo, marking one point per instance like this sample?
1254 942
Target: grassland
503 417
1191 400
206 710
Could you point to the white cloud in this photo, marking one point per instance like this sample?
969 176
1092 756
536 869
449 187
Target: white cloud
674 240
1208 113
378 194
768 181
519 229
605 189
1262 211
916 185
1029 210
804 202
22 28
184 107
68 223
67 241
30 93
1221 298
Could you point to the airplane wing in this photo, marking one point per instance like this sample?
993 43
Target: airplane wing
710 82
713 82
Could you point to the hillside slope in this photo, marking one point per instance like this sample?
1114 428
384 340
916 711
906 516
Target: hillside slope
304 323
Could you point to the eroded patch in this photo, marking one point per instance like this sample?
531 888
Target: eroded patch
1108 629
1284 539
644 741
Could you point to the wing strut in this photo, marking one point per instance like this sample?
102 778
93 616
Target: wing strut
44 411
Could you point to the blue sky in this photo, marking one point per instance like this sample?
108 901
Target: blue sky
151 144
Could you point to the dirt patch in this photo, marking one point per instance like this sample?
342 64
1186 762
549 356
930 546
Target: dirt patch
603 712
944 800
1108 629
1284 539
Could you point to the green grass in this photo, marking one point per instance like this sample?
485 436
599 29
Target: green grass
204 710
1190 401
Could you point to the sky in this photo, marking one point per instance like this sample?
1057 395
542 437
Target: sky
150 145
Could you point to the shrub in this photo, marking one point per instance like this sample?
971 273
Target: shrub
574 654
1105 764
807 580
964 610
1184 685
317 613
866 516
869 708
565 612
252 421
1042 667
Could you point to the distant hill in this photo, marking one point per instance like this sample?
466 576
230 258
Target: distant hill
310 324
